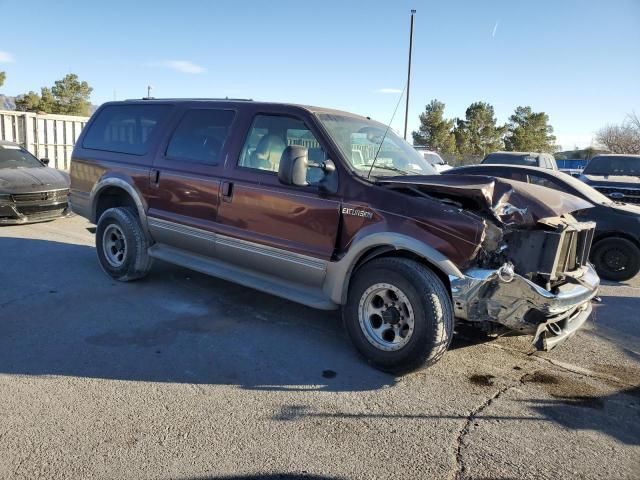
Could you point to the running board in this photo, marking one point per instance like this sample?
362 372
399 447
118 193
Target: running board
308 296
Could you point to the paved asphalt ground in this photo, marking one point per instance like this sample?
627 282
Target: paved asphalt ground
188 377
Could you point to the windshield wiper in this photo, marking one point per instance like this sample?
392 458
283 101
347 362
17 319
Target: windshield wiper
391 168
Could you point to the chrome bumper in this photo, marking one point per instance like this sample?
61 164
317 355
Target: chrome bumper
519 304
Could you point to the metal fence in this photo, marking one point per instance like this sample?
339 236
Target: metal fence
44 135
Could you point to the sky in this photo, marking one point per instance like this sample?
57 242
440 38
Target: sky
578 61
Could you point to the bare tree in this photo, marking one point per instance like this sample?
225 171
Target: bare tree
622 138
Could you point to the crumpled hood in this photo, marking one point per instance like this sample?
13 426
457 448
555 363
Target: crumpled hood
24 180
509 201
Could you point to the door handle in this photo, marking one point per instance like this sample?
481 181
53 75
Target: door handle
154 178
227 191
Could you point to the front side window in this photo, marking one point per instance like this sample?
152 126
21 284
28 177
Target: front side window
371 147
270 135
125 128
200 136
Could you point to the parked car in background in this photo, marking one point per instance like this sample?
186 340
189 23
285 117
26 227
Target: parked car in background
271 196
434 159
616 176
527 159
616 245
29 190
572 166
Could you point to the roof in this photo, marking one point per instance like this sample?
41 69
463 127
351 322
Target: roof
309 108
517 154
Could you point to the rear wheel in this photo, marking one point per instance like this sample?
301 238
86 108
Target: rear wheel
616 258
122 245
398 314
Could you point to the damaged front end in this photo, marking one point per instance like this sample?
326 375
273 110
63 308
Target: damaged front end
531 273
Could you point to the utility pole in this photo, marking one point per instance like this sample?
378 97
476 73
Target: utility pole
406 113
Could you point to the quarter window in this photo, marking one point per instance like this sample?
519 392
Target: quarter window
200 136
270 135
125 128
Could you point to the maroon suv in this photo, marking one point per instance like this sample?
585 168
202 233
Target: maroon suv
332 210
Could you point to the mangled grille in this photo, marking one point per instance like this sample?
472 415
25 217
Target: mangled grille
549 254
574 249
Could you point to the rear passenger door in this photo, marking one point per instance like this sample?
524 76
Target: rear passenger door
185 180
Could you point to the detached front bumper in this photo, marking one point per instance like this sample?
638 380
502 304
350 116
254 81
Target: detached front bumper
503 297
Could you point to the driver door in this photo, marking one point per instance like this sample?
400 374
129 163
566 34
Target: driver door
281 230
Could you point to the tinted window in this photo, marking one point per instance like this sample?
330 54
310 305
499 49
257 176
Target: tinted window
125 128
545 182
613 166
270 135
503 159
200 136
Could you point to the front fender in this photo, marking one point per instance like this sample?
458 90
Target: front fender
336 283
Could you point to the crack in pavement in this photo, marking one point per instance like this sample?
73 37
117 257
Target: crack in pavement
461 469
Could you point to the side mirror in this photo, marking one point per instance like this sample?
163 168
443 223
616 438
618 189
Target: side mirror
45 161
293 166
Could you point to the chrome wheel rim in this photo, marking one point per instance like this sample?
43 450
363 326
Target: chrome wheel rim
386 317
114 246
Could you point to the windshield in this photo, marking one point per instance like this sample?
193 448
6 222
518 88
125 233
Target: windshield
502 159
359 140
12 156
629 166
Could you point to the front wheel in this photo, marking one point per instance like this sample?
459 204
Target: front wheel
398 314
616 258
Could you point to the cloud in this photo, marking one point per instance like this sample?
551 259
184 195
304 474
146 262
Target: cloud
184 66
495 29
389 90
6 57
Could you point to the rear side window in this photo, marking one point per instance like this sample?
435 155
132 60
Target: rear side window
200 136
125 128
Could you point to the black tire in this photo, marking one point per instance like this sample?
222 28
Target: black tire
432 309
135 261
616 258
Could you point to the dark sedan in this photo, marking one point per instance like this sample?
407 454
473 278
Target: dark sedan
616 176
29 190
616 245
